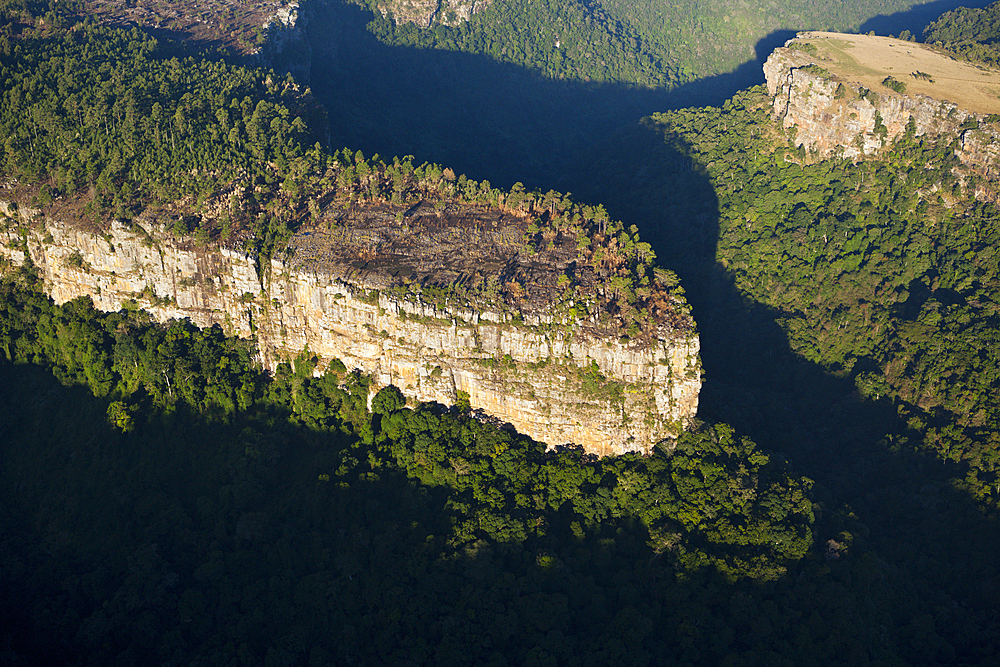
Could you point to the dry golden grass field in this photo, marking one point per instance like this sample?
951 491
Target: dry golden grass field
868 60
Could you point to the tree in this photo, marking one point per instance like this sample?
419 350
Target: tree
388 400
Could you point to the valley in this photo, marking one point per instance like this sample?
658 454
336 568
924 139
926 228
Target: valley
830 497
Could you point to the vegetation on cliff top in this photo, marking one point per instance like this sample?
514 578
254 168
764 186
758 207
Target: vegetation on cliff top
886 64
96 119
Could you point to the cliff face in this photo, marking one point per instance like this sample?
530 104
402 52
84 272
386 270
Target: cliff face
833 117
286 48
557 384
427 13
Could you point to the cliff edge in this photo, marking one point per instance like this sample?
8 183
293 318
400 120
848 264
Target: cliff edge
853 95
382 290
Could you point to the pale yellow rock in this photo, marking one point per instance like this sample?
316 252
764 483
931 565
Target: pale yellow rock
426 13
527 374
834 117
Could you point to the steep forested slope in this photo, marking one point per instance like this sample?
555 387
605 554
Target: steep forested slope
885 271
852 314
200 510
655 43
970 33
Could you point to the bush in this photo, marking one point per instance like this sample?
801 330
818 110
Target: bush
894 84
388 400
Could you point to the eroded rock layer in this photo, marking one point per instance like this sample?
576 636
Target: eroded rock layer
557 383
833 117
427 13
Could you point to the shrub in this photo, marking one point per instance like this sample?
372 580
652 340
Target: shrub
894 84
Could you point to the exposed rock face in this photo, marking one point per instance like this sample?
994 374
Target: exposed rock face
557 385
286 48
840 118
426 13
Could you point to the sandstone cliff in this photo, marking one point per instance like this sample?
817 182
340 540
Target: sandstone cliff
427 13
549 374
832 115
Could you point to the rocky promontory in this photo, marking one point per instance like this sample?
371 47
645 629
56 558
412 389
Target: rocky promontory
854 95
445 302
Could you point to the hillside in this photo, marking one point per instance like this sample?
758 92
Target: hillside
172 491
969 33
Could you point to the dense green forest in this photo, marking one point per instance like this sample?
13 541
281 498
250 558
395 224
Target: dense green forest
885 271
163 498
211 512
103 118
653 44
969 33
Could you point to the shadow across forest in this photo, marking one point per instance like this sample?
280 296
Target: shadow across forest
220 541
498 122
489 120
250 539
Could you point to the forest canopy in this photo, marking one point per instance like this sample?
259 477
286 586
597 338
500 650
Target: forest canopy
339 521
971 34
161 495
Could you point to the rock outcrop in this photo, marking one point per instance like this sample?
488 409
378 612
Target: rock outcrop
286 48
556 383
427 13
839 118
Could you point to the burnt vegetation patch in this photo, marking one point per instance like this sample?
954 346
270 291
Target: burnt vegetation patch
461 244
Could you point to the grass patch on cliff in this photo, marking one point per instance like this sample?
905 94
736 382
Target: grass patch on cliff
927 71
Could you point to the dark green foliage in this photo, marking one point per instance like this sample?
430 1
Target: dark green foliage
894 84
388 400
37 14
99 114
566 39
971 34
207 505
709 38
121 355
817 70
697 501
